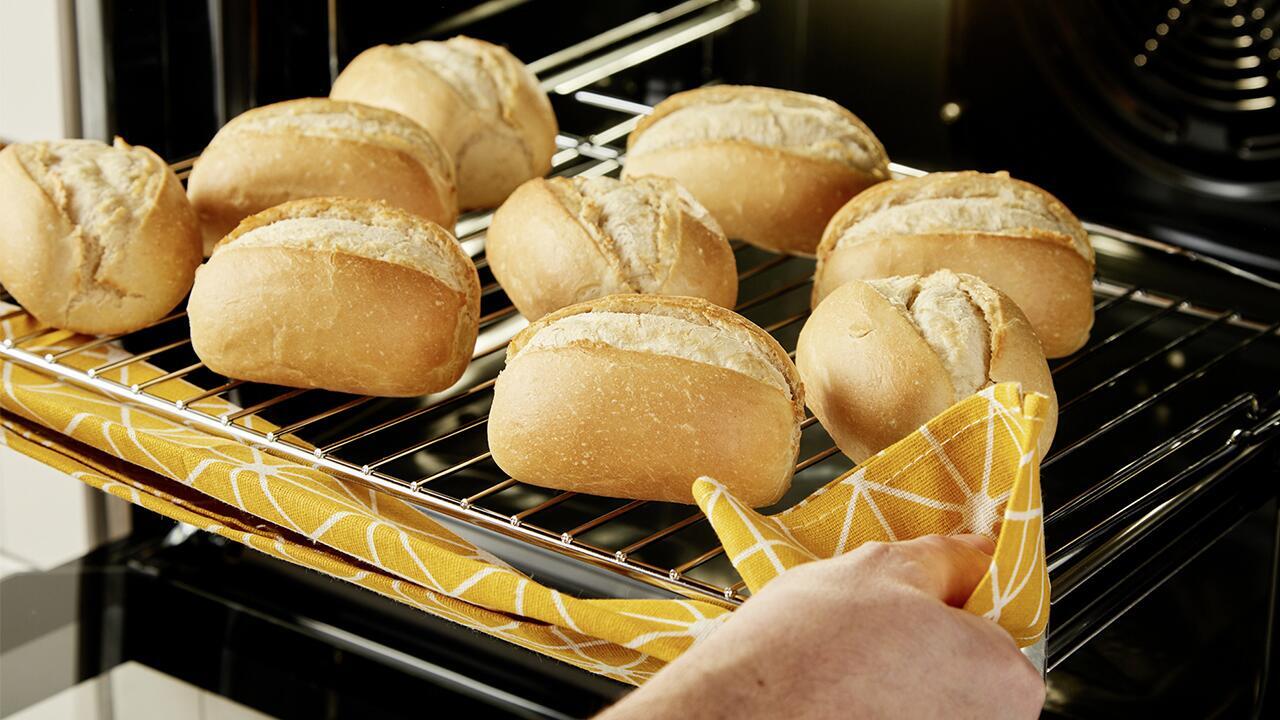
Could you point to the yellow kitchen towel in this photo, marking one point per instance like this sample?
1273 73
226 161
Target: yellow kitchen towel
971 469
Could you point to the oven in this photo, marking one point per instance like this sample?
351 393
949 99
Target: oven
1160 491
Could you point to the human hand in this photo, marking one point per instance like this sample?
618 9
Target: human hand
877 632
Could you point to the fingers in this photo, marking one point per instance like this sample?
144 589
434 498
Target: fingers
948 568
981 542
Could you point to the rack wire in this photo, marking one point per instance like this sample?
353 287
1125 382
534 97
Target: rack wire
1191 377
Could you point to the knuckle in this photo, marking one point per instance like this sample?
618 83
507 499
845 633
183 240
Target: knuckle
913 572
845 571
874 551
937 546
862 561
934 540
805 574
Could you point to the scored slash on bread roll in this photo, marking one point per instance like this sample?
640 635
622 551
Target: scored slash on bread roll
95 238
349 295
1010 233
562 241
772 166
480 102
316 147
880 358
636 396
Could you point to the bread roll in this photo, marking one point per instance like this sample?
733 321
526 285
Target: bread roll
316 147
94 238
636 396
562 241
772 166
477 99
349 295
1011 234
882 357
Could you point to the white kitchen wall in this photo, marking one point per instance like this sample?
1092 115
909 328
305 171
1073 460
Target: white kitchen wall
46 518
38 89
136 692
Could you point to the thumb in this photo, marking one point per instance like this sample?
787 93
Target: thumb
946 567
981 542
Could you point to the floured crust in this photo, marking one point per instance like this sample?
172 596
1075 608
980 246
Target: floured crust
96 238
956 202
558 242
316 147
346 121
687 309
334 225
943 309
635 225
872 376
484 75
761 188
1047 273
479 101
100 187
826 125
661 335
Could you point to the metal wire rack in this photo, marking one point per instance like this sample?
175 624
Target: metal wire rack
1168 388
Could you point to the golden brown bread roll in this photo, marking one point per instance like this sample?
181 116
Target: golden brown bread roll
879 358
637 395
316 147
1010 233
562 241
348 295
772 166
477 99
95 238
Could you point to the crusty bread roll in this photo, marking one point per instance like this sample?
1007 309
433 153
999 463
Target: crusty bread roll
772 166
636 396
316 147
562 241
477 99
94 238
880 358
1010 233
349 295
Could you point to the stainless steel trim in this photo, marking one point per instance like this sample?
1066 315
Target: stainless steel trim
467 17
465 684
628 56
1183 252
91 63
331 28
631 28
219 60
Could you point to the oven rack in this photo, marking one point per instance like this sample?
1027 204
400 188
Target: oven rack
431 452
498 326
